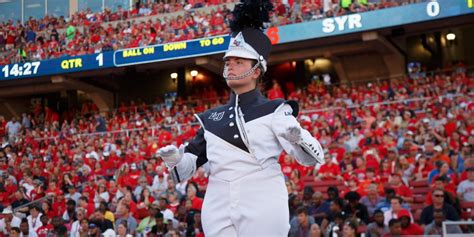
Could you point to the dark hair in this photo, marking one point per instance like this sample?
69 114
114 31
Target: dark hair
392 222
158 215
378 211
301 210
333 189
16 229
400 200
389 190
339 202
71 202
352 196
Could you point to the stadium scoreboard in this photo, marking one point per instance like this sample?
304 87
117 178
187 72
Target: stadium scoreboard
372 20
170 51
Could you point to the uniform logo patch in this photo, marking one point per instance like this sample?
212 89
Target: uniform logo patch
216 116
238 40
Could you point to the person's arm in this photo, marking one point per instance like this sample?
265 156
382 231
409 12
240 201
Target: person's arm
460 192
183 162
296 141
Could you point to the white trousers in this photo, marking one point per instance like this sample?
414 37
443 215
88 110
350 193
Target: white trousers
254 205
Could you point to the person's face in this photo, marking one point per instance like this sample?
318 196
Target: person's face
44 219
24 227
239 66
159 221
34 212
470 175
317 199
445 168
438 197
84 224
302 218
438 218
379 218
405 221
14 234
396 180
395 203
396 229
348 231
121 229
315 229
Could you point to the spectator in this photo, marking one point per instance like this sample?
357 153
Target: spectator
15 232
34 219
371 199
122 230
377 228
9 221
438 203
12 128
83 230
123 212
465 191
395 227
148 222
76 225
400 188
101 222
160 229
329 170
318 209
385 204
408 227
25 229
436 226
69 215
335 209
100 125
355 209
72 193
196 228
300 225
349 229
45 228
395 208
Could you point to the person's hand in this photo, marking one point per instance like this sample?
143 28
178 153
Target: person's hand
171 155
292 135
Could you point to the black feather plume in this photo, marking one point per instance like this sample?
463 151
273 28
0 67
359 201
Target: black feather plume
251 14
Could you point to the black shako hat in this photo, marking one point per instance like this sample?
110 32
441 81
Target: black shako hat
248 40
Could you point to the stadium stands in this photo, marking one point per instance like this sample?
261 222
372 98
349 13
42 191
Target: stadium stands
87 32
48 158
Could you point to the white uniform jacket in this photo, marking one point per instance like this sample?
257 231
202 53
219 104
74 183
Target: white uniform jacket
242 137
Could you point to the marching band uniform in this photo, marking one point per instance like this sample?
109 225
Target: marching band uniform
241 142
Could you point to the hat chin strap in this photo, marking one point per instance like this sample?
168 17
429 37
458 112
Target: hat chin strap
249 72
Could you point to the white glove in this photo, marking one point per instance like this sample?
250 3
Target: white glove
171 155
292 135
307 143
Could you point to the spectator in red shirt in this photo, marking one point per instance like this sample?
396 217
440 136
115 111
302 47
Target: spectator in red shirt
401 189
275 92
191 195
408 227
329 170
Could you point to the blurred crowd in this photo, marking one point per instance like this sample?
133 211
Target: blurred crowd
87 32
96 174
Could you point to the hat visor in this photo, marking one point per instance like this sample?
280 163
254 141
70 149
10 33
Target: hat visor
240 53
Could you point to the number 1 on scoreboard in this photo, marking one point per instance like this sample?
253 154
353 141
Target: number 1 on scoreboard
100 59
